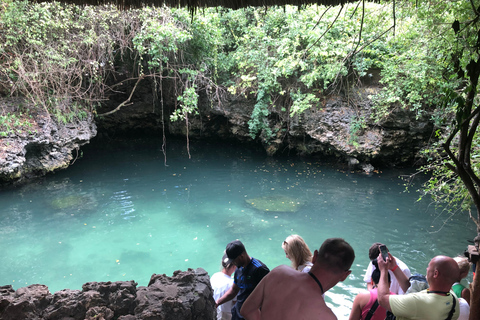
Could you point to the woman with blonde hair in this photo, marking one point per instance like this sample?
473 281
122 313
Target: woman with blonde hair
298 252
459 289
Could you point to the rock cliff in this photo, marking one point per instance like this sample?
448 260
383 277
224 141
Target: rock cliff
42 145
186 295
339 128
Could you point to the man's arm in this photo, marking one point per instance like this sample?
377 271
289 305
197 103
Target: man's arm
229 295
401 277
251 307
383 290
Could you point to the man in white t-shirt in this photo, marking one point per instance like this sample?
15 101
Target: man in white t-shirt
221 282
373 253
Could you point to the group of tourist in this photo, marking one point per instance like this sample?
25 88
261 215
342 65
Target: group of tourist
297 292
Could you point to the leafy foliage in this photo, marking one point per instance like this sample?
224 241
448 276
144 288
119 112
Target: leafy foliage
283 58
445 86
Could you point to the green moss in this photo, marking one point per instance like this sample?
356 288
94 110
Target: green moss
67 202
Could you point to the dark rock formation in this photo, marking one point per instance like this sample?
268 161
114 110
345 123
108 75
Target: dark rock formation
42 145
184 296
339 128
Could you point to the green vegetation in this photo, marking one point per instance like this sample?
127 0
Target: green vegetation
13 123
285 58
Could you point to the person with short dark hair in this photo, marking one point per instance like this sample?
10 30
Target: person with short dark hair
365 306
373 253
249 273
221 282
286 294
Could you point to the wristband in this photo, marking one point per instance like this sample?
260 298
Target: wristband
395 268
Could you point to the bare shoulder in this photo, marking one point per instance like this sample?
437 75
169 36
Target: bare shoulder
362 299
283 270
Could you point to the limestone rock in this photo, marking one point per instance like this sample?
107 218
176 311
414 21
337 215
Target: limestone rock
187 295
45 145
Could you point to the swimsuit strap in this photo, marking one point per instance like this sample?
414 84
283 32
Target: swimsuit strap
316 280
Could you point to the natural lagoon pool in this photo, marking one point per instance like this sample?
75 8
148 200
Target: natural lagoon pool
120 214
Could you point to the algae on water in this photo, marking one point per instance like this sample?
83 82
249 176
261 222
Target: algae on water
275 203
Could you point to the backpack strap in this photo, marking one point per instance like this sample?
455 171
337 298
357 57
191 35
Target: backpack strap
452 311
373 309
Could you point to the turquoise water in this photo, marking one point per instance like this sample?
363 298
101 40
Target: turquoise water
120 214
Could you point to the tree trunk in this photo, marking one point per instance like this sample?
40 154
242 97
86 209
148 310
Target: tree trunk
475 295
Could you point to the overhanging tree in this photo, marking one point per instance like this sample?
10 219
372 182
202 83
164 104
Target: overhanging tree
454 158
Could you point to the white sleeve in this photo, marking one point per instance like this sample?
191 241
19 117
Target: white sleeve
405 269
368 274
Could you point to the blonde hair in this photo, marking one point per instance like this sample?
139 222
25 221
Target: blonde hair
297 250
463 265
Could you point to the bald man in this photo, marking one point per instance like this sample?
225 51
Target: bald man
438 302
286 294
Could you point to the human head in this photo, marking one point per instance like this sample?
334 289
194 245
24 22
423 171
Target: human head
227 266
335 255
226 263
236 253
374 251
376 273
296 250
442 273
463 265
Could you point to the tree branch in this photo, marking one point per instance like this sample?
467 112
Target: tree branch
126 102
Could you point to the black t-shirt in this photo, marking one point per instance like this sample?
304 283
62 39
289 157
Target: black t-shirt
247 279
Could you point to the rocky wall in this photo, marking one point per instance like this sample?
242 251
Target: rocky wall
339 127
187 295
42 145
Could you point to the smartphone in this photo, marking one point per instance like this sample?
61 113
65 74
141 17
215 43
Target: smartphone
384 252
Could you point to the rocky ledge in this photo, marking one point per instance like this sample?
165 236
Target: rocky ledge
40 144
186 295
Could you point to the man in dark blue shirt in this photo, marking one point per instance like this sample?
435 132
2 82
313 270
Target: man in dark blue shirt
250 272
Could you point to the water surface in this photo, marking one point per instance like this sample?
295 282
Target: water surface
120 214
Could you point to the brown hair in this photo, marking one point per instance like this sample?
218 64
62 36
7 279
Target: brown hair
374 250
297 250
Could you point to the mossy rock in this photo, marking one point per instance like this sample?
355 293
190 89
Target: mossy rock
275 203
73 201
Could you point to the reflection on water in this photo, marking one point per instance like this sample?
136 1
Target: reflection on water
120 214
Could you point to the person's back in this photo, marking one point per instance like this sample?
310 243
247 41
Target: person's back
286 294
436 303
424 306
365 305
221 282
293 295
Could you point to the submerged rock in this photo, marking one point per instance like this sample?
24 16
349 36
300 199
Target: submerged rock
275 203
186 295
